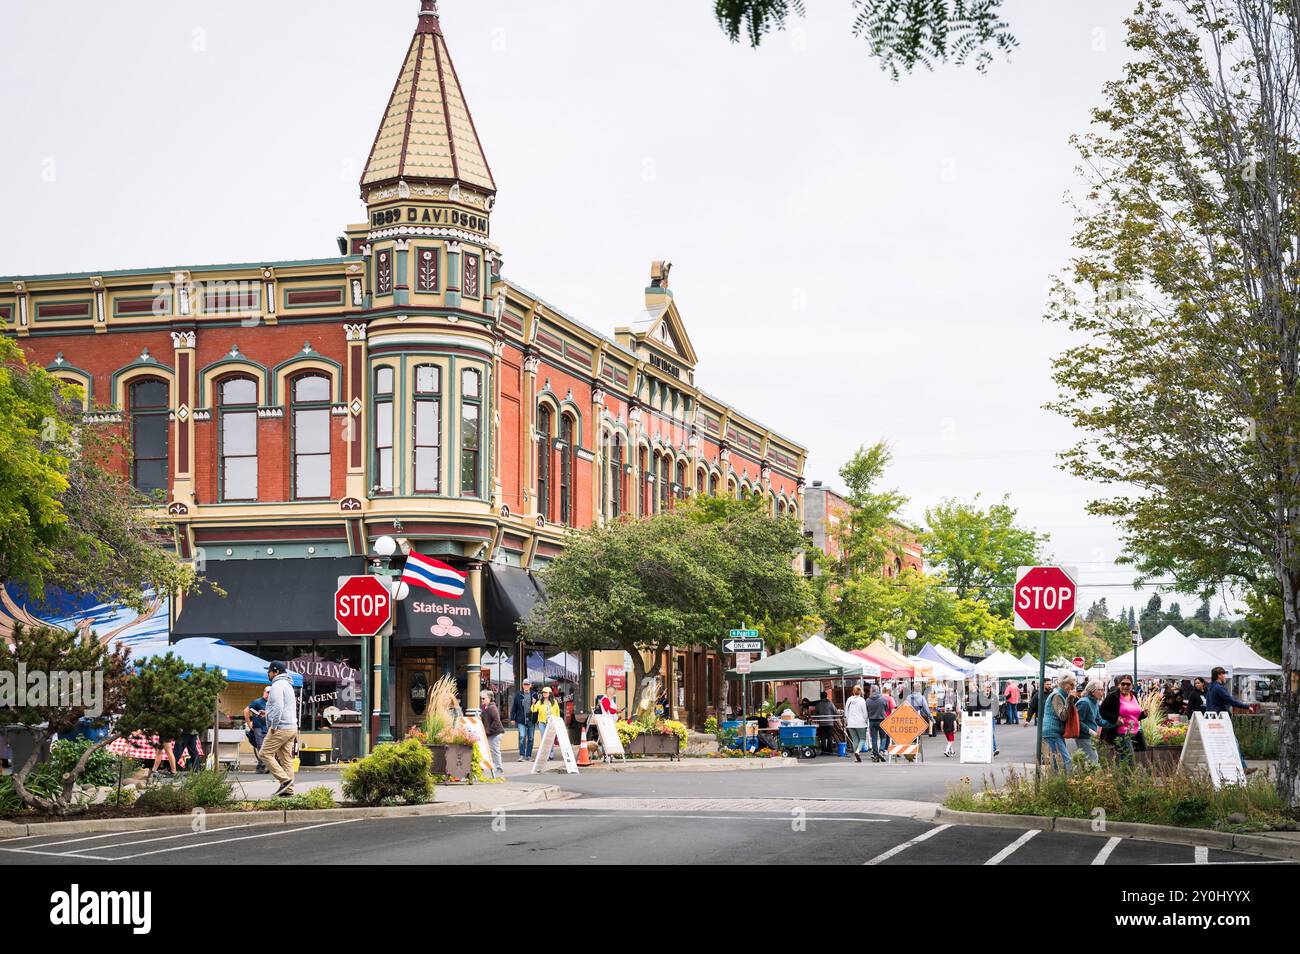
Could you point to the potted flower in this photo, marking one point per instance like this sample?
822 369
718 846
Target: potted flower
452 749
1163 736
653 736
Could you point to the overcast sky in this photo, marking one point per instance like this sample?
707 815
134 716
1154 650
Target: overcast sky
854 258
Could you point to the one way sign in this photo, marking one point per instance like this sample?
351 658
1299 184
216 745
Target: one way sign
742 645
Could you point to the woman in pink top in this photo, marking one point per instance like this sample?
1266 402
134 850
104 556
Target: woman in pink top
1121 715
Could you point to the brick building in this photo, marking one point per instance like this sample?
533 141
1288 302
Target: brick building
825 511
287 414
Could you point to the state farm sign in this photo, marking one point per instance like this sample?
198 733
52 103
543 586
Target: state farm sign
1044 597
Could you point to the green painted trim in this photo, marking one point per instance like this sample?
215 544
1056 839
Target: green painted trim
296 549
167 372
171 270
89 379
438 284
89 302
287 287
301 358
267 380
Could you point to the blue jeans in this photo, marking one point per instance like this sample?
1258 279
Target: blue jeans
1084 744
1056 748
879 739
525 740
993 728
1013 714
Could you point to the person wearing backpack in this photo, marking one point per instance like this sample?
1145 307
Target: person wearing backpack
1060 721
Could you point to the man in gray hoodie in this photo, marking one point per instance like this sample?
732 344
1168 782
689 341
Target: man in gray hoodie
281 728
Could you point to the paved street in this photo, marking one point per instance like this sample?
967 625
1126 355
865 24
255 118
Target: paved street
645 832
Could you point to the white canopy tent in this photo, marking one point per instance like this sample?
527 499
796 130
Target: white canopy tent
854 666
1236 654
1168 653
1031 661
1003 665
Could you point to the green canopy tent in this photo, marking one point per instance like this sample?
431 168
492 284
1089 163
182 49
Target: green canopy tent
793 665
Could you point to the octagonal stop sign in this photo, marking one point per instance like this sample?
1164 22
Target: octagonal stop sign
363 605
1043 597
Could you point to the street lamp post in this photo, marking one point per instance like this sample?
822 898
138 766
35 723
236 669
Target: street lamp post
1137 641
380 565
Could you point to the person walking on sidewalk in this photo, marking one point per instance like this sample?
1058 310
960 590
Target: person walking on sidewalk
1090 723
1013 703
856 721
545 709
521 714
948 725
1056 713
255 726
877 712
493 729
281 728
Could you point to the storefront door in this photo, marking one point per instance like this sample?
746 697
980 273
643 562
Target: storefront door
415 677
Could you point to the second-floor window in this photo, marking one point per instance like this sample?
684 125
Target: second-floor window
566 470
544 462
681 480
237 410
471 438
311 437
149 431
428 427
616 478
383 476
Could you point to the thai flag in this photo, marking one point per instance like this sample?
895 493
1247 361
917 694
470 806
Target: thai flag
434 575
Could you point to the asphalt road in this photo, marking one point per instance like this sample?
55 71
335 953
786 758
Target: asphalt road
630 835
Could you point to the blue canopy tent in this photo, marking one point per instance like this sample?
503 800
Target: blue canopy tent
947 657
235 664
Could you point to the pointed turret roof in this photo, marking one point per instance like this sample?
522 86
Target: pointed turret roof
427 132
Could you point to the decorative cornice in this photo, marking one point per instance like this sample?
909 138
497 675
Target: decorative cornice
355 332
183 339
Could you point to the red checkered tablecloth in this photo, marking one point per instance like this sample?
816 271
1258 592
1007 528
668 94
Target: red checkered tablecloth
138 747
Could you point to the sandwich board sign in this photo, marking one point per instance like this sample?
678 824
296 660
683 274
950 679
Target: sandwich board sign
977 737
472 726
610 743
553 735
1211 744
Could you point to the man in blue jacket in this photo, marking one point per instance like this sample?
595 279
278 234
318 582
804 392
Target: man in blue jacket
1219 699
521 714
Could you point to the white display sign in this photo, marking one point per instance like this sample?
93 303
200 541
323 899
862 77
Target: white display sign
472 726
1211 743
977 737
555 734
610 743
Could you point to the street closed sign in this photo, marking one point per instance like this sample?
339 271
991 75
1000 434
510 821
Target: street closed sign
1043 598
363 606
904 724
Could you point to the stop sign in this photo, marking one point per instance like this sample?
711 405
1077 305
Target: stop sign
1043 597
1078 662
362 605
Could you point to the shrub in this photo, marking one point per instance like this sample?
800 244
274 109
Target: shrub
165 800
396 772
316 798
100 770
209 789
1258 737
121 799
711 725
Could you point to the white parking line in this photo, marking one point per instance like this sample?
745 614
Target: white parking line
1106 850
885 856
223 841
1012 848
1202 855
145 841
70 841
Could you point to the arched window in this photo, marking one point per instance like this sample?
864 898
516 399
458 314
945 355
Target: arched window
665 481
383 475
149 431
544 461
606 467
311 437
713 485
645 495
428 429
701 481
681 480
471 438
616 485
780 508
237 413
566 470
76 400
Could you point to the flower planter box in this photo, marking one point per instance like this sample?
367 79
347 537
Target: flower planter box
1159 756
654 743
454 760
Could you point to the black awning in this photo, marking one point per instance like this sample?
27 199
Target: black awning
426 619
267 600
511 595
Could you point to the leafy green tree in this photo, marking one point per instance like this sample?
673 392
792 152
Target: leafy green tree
901 33
679 578
162 696
869 534
1264 618
976 549
67 519
1185 302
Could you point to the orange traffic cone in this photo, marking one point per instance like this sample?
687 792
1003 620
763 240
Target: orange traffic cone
584 757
